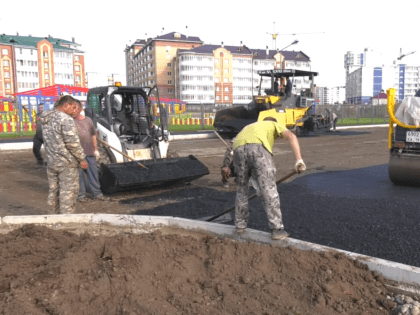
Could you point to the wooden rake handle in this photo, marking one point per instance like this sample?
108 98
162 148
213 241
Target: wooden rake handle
128 157
253 196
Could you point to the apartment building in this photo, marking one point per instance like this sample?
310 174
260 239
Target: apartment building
228 75
28 62
185 68
330 95
367 82
151 62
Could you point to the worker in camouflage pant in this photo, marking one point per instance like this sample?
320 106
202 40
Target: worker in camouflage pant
252 156
64 155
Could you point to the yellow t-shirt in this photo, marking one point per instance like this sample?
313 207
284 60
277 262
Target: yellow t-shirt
260 132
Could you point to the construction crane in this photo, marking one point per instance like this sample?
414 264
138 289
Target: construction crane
402 56
275 34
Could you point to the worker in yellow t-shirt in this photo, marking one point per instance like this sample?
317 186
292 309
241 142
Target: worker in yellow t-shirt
253 150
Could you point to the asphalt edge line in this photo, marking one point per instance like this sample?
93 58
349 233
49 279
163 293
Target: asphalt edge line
405 274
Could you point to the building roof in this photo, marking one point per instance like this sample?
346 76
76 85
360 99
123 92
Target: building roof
32 41
182 38
380 96
259 53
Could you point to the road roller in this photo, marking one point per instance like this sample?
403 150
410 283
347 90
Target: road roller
404 141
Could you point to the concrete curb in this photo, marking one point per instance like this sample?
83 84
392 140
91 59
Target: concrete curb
406 274
28 145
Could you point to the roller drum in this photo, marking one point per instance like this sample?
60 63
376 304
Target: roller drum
404 170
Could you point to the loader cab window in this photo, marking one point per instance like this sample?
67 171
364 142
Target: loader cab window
117 102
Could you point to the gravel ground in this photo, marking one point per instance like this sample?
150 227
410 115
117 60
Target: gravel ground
370 216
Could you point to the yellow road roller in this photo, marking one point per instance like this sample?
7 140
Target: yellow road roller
404 141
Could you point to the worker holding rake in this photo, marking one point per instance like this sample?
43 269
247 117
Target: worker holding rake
253 150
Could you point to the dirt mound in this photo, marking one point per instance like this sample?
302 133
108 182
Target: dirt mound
45 271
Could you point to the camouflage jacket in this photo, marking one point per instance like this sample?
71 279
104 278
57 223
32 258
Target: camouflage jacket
61 139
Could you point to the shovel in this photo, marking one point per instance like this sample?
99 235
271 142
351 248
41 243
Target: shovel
253 196
128 157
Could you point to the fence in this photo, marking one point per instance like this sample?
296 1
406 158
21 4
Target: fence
19 116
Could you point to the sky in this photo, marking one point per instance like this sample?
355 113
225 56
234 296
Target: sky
326 30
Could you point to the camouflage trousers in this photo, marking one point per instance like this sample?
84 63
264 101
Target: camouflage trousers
254 160
64 188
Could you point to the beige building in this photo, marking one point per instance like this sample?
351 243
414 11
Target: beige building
186 69
151 62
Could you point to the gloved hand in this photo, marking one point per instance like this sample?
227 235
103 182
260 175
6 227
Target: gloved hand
300 166
97 155
225 173
231 153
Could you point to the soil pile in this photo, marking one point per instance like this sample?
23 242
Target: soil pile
45 271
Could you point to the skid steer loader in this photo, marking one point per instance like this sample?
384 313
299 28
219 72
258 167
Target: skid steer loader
297 111
124 120
404 141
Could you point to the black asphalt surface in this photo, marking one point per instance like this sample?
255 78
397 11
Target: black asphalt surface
359 211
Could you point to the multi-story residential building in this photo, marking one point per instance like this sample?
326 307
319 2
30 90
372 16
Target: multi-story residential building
367 82
330 95
151 62
28 62
355 60
186 69
229 74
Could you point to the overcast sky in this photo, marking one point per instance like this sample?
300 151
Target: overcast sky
105 28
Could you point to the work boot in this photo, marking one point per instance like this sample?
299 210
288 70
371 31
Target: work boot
83 199
240 230
102 198
278 234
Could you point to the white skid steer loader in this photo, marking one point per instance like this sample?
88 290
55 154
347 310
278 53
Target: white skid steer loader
124 120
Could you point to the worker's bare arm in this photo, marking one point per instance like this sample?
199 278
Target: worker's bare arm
287 134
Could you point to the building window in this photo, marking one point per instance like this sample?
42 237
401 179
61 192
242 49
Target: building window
169 81
76 58
170 91
217 88
169 65
47 76
168 48
20 51
77 68
226 98
46 66
45 54
77 78
217 98
7 74
8 86
226 61
217 70
216 80
226 70
5 52
216 60
226 80
226 89
169 74
5 63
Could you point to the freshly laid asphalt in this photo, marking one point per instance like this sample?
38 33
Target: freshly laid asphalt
359 211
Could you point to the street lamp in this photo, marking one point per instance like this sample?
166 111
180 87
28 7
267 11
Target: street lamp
294 43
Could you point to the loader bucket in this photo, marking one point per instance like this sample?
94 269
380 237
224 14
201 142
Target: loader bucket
130 176
404 170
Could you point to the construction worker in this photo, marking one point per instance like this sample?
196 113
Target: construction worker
253 150
87 135
289 87
38 141
64 155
